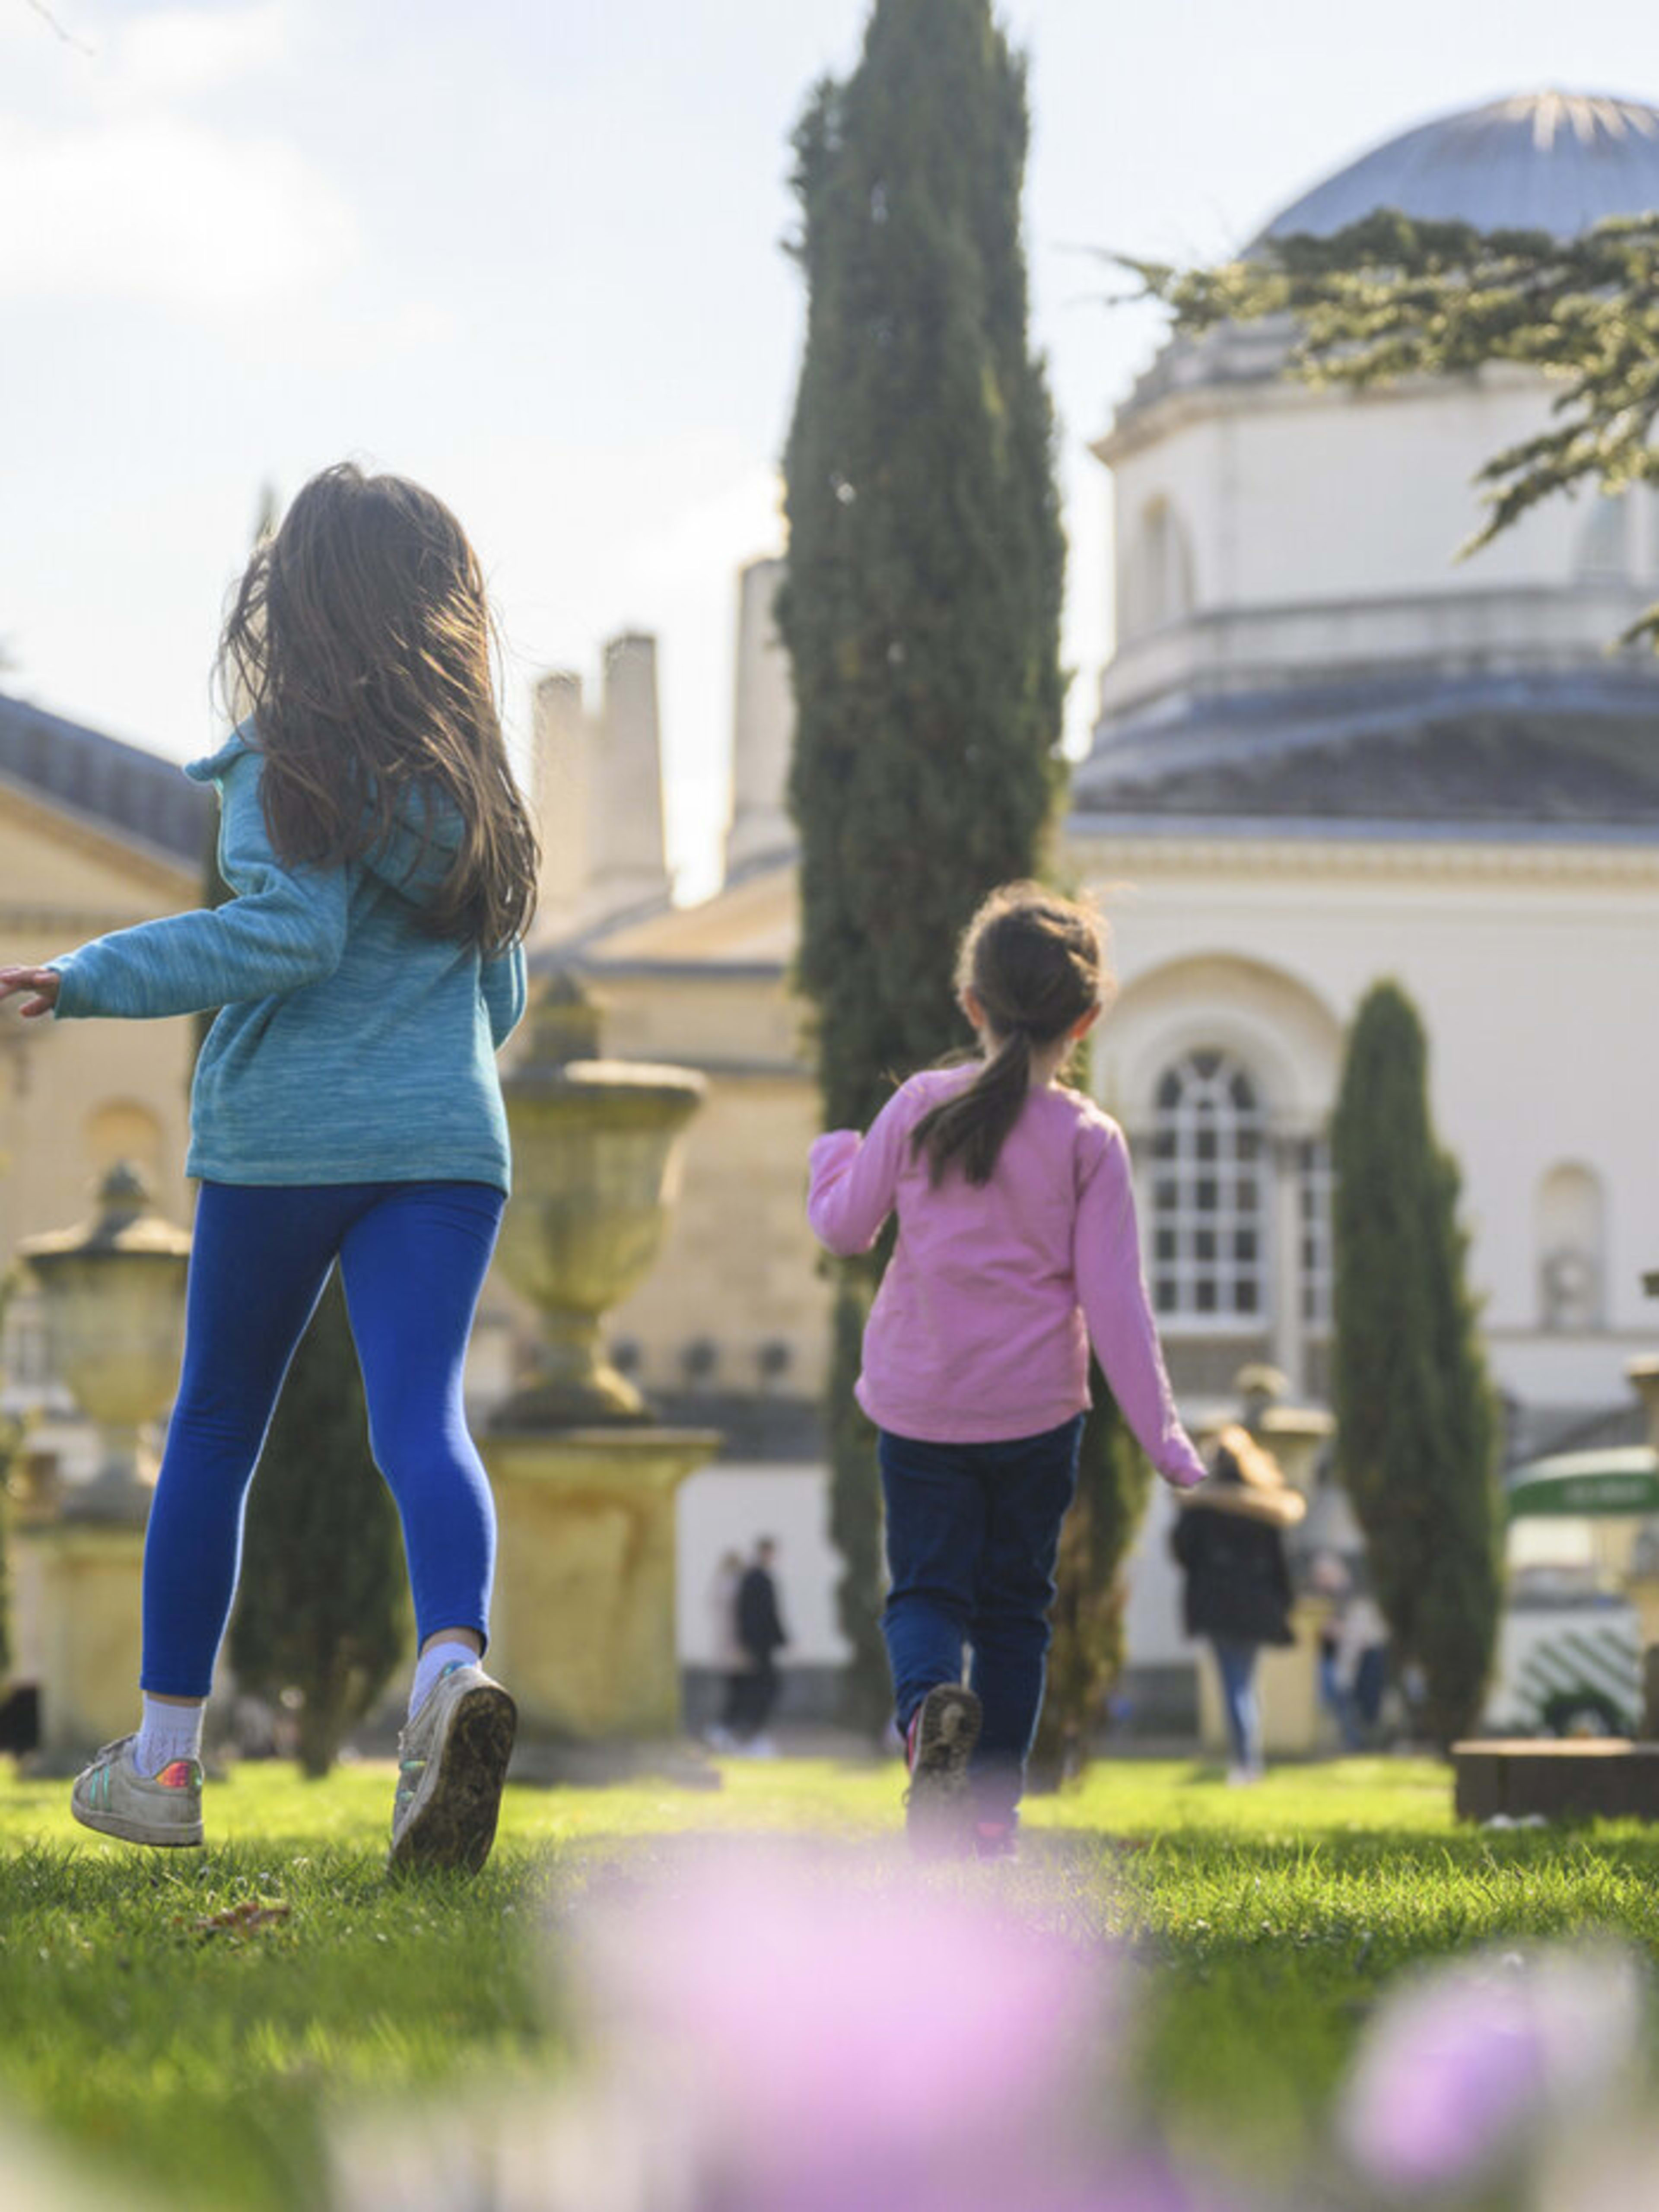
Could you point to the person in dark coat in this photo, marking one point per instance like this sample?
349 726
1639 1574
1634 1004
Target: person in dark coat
761 1636
1230 1541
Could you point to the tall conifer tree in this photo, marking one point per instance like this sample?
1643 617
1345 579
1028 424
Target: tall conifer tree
1416 1426
10 1432
922 604
322 1608
1113 1478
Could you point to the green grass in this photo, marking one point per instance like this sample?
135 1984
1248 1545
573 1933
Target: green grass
1266 1921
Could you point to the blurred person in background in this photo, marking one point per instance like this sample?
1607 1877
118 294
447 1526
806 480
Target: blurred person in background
1229 1543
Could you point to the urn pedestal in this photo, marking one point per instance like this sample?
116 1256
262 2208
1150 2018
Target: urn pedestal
584 1621
585 1480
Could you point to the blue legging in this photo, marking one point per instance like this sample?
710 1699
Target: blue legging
413 1258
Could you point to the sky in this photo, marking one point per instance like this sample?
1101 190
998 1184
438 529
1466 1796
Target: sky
529 251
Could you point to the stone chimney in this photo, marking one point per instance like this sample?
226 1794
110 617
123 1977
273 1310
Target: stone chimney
562 770
763 726
628 867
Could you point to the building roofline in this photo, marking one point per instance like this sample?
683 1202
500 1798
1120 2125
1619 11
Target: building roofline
706 971
1335 829
82 775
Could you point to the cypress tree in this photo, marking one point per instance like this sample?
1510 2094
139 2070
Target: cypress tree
855 1521
322 1608
11 1433
1113 1479
922 603
1416 1425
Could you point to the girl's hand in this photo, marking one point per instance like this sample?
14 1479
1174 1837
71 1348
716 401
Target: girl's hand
1186 1474
43 981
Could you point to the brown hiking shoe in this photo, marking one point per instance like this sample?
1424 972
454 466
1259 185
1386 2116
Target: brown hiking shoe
937 1745
452 1762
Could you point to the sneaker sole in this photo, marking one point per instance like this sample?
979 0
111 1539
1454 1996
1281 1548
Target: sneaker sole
937 1810
135 1831
456 1826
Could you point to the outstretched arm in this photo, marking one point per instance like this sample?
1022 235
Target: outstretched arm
1112 1289
42 982
286 928
854 1179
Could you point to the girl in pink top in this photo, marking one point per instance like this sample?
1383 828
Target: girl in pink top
1017 1245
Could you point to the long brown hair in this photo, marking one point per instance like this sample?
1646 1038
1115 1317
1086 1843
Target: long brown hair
1037 964
360 639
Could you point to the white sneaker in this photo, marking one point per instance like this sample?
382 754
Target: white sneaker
452 1762
112 1796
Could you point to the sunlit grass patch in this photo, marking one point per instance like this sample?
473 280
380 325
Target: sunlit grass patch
1257 1927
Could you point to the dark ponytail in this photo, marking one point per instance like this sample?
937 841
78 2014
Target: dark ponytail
974 1122
1035 963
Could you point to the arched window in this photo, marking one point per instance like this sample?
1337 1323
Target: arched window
1158 575
1210 1194
1571 1261
1315 1186
1604 540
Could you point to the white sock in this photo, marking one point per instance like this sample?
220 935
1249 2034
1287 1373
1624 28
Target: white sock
430 1664
166 1733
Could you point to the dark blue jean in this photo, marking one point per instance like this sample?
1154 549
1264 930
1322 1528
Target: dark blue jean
1236 1664
413 1258
972 1532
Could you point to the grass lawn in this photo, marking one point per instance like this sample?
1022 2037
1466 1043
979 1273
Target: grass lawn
209 2063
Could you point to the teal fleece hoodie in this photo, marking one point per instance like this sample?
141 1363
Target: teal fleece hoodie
352 1047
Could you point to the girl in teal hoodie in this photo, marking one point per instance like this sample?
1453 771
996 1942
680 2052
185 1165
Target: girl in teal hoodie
345 1110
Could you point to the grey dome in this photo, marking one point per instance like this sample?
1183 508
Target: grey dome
1543 161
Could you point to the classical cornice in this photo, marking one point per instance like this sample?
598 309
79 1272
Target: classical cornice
1146 846
1157 410
700 969
64 923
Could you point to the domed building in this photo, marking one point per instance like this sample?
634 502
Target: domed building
1326 752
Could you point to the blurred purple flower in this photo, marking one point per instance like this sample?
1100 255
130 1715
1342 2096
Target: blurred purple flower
843 2044
1462 2067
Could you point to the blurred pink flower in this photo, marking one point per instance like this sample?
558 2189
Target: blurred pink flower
1460 2067
844 2043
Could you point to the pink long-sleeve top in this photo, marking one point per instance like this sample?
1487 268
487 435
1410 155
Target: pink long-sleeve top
980 1329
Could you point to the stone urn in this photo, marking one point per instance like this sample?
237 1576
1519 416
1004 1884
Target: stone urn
112 1292
595 1150
585 1478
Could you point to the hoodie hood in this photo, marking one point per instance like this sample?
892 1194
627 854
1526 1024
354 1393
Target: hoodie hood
212 767
415 855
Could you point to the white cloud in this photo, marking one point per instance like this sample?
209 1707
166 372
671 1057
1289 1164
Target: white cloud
177 54
118 179
161 208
